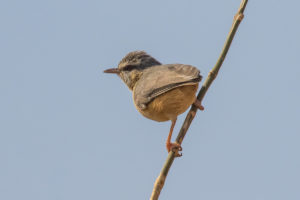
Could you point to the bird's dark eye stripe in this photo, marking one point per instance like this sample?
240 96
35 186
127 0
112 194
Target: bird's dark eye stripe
129 67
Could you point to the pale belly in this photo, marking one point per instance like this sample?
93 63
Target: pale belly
170 104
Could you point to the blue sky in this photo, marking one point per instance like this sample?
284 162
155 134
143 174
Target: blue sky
69 131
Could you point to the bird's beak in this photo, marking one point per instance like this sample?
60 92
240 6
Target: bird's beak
112 71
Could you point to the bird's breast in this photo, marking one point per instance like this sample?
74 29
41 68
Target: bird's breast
170 104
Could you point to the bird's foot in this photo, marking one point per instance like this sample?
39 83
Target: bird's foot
198 104
175 147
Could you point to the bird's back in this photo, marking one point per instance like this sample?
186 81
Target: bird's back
165 91
160 79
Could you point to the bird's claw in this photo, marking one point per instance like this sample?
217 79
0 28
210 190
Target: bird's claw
175 147
198 104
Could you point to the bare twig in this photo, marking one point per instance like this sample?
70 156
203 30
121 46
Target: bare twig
159 183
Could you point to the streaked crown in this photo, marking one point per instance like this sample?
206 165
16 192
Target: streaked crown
137 60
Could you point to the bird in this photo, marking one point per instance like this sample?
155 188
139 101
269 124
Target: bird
160 92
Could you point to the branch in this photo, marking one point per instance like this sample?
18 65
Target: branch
159 183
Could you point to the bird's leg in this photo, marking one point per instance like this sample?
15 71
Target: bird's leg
198 104
172 146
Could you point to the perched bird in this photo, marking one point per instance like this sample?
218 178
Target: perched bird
160 92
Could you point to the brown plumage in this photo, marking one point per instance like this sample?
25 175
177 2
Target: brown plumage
169 105
160 92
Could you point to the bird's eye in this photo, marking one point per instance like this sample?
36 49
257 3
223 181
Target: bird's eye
129 67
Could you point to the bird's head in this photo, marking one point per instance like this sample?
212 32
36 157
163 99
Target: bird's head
132 66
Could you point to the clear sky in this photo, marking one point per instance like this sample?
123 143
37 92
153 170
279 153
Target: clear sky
69 131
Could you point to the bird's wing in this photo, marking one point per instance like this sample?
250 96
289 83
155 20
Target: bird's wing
159 79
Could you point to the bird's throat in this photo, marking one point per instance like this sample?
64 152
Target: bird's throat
134 77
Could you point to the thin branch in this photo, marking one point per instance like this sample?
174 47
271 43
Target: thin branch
159 183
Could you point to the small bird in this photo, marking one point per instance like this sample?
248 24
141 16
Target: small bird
161 92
